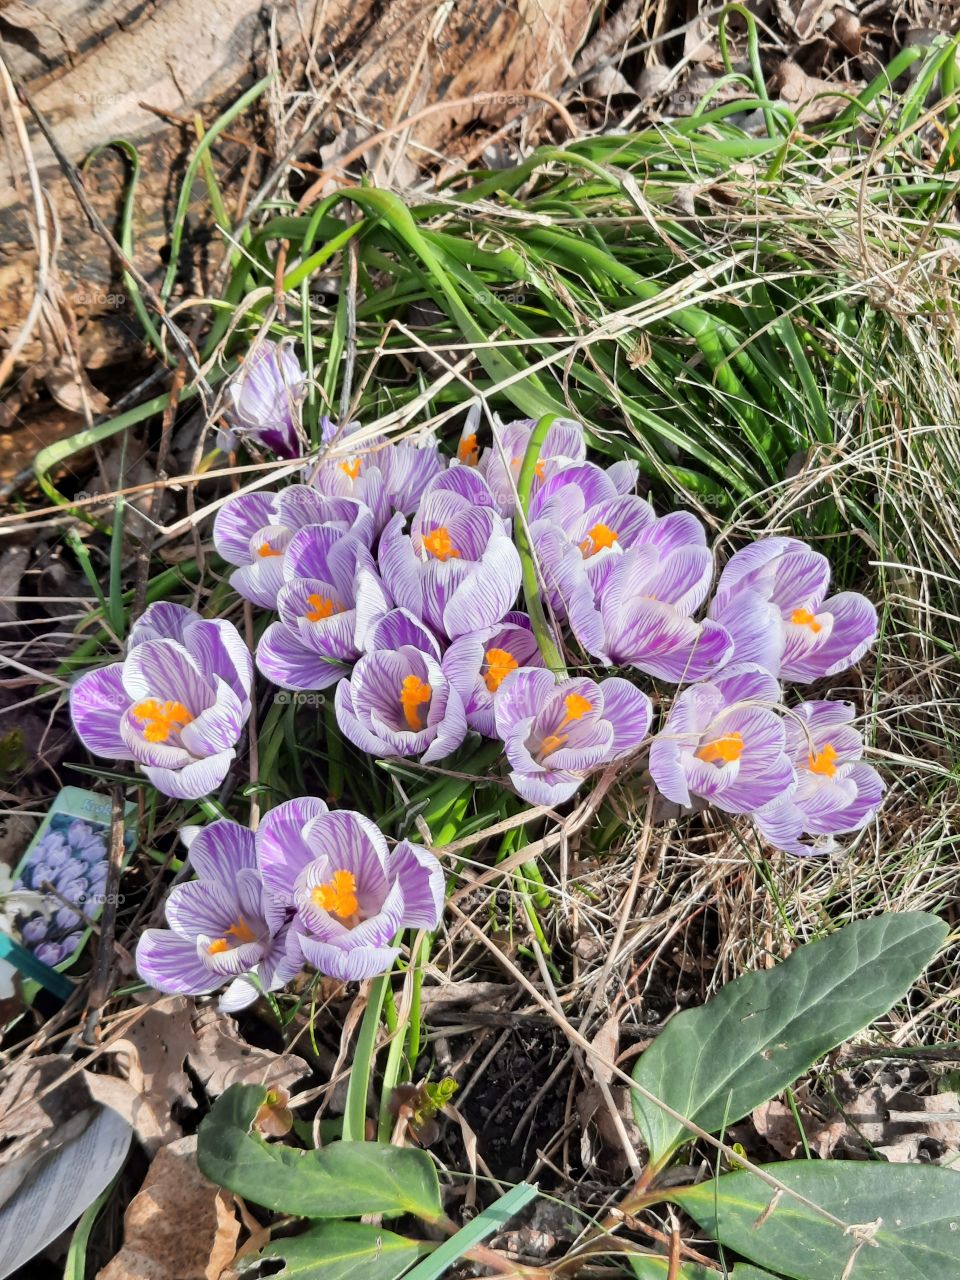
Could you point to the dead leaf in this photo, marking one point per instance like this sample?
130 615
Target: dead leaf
153 1053
847 31
153 1124
700 41
899 1125
813 99
605 1044
178 1224
813 17
31 1127
72 389
774 1122
220 1058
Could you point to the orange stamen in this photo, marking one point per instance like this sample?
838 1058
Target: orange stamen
438 543
239 929
321 607
722 750
413 694
577 707
264 550
338 896
499 665
599 538
804 618
539 468
160 719
823 762
351 467
468 450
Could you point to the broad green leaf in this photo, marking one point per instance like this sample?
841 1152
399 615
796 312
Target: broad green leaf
344 1251
342 1180
916 1207
716 1063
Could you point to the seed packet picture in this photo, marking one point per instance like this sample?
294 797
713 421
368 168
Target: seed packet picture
66 866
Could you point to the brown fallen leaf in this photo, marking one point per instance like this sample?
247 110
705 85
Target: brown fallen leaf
72 389
154 1052
220 1058
151 1122
811 98
177 1225
899 1125
774 1122
31 1127
885 1118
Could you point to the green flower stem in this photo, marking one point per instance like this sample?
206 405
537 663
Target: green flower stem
355 1113
414 1030
546 643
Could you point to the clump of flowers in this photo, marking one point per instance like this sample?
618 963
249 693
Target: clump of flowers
309 886
395 575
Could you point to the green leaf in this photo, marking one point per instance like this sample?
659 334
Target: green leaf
716 1063
917 1208
493 1218
342 1180
344 1251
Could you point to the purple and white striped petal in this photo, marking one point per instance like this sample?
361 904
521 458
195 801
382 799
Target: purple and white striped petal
284 658
238 520
264 398
98 700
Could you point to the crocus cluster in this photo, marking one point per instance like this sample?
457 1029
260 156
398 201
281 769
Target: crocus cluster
395 576
310 886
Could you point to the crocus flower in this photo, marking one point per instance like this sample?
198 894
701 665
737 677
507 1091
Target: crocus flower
836 792
264 399
176 705
330 598
635 607
579 519
253 531
477 665
35 930
457 569
500 464
351 893
398 701
556 733
384 474
627 582
723 742
223 926
772 598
